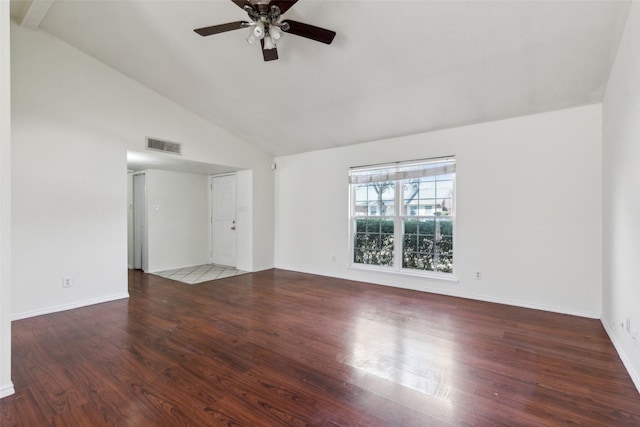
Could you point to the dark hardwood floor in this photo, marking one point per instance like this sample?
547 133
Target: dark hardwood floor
282 348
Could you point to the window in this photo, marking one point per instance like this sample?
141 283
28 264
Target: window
402 215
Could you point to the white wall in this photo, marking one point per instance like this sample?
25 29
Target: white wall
74 120
178 219
6 386
621 184
69 207
528 209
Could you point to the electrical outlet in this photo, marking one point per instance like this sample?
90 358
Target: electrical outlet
67 282
478 275
627 324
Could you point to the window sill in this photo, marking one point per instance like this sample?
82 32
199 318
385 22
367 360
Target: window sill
445 277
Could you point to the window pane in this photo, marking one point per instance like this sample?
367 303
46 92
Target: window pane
386 250
411 190
444 197
446 206
427 207
410 243
428 244
373 240
385 192
425 244
409 260
361 194
387 226
444 188
373 225
444 227
418 261
445 264
371 192
427 188
360 248
377 199
373 248
410 226
426 226
361 209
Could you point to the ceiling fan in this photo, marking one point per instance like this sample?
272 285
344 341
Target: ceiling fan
266 27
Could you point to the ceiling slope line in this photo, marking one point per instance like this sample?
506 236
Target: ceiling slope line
34 13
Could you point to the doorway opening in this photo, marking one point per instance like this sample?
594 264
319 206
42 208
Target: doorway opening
171 222
139 207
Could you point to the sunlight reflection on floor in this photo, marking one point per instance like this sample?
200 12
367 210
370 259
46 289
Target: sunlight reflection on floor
378 348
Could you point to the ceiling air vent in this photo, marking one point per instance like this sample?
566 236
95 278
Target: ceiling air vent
164 146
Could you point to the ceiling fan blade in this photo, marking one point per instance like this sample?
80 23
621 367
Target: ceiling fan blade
216 29
308 31
242 3
268 54
283 5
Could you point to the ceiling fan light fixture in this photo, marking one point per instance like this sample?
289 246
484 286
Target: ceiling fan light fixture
275 33
258 30
268 43
252 39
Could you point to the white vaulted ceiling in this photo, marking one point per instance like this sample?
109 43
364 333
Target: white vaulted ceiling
394 68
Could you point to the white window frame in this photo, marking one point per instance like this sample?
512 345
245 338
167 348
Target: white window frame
399 218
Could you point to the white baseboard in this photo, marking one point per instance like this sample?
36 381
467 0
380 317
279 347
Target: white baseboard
70 306
262 268
454 293
626 361
7 390
524 304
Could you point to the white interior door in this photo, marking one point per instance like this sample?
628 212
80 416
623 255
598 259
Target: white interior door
139 211
223 220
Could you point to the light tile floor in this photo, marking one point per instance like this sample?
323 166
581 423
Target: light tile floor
200 273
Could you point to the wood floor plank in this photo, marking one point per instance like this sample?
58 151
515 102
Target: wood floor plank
280 348
22 409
